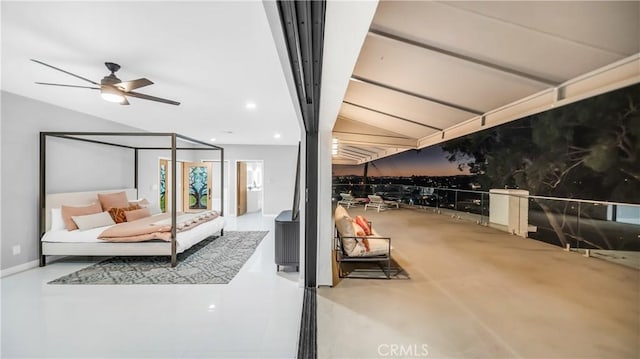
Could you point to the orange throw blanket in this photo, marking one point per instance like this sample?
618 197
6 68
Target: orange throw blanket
155 227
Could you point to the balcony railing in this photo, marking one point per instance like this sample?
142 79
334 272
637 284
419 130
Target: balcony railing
597 226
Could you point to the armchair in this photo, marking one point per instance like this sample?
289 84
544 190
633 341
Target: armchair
350 247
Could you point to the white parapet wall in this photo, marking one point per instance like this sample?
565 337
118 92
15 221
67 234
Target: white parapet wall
509 210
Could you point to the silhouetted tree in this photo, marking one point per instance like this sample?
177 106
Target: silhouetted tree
589 149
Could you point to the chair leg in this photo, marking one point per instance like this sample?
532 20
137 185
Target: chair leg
389 268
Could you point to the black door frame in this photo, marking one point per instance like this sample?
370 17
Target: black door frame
303 26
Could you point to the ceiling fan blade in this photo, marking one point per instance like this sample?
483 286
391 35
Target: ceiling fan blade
66 72
152 98
127 86
124 102
82 87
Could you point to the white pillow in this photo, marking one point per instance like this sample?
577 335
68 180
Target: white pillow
142 202
347 232
57 223
95 220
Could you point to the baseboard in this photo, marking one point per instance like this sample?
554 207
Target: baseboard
19 268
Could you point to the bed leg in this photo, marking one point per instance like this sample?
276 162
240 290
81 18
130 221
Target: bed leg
222 232
43 260
174 258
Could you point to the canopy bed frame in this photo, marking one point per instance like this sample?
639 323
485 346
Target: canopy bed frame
118 139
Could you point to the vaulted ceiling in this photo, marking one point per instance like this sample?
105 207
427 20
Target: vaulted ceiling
214 57
431 71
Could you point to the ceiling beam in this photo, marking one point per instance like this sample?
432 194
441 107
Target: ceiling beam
348 155
416 95
617 75
368 140
391 115
514 72
357 150
371 134
344 161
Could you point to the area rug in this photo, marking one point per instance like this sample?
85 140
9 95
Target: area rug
215 260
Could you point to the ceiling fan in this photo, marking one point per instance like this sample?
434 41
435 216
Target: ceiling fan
112 88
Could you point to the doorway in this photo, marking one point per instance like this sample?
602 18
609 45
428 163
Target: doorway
249 184
216 183
196 177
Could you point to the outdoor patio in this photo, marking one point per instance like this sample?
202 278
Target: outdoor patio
478 292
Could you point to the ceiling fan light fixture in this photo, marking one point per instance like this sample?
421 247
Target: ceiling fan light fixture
111 88
111 95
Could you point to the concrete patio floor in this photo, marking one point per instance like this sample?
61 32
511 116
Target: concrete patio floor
476 292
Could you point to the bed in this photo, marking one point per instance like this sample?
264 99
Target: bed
175 239
86 242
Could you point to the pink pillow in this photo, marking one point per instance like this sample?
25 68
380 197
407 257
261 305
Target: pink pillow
113 200
358 229
362 222
68 212
137 214
360 232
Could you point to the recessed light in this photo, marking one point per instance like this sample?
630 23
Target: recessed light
213 140
250 105
277 135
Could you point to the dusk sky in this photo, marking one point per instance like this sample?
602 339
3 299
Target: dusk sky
431 161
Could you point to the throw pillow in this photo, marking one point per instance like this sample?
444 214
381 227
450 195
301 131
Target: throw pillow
137 214
344 225
69 211
57 222
95 220
362 222
117 213
359 231
142 202
113 200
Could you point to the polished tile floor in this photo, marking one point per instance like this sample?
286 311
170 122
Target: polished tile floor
257 315
476 292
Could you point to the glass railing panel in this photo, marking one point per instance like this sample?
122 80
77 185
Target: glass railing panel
469 202
609 227
603 229
555 222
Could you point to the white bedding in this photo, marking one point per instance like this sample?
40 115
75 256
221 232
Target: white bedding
185 239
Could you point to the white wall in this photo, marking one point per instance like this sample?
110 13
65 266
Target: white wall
347 23
1 251
273 17
279 171
71 166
